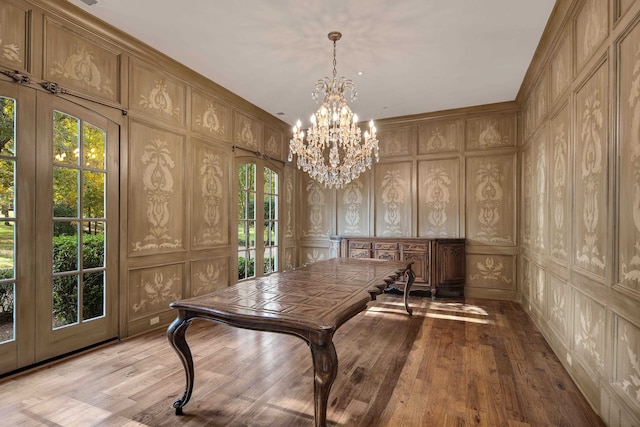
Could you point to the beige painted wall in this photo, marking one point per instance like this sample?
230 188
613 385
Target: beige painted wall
580 204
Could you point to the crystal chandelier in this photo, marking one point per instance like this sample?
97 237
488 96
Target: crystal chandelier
334 153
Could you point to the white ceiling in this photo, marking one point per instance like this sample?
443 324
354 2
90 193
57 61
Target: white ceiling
416 56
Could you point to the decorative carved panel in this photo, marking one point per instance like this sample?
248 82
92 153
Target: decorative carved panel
156 93
353 207
491 271
210 117
14 36
490 195
396 141
289 258
589 330
393 199
628 221
80 64
208 275
559 172
559 304
536 107
156 191
273 143
526 276
541 205
527 195
316 209
311 255
247 131
626 366
438 198
491 131
436 137
537 287
561 67
623 6
590 174
152 289
289 209
210 213
591 29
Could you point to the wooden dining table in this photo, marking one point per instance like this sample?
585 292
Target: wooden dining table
310 302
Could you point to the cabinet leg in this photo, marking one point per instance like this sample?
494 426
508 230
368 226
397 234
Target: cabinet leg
411 276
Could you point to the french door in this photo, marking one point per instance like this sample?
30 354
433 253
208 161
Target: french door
258 219
58 238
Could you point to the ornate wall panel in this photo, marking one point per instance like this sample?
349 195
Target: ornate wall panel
14 37
591 29
527 195
393 199
311 255
536 107
316 209
626 369
289 209
156 93
353 208
289 258
440 136
247 131
622 6
273 143
526 276
491 271
629 169
559 173
152 289
538 287
558 303
155 214
210 117
208 275
589 332
78 63
540 205
490 199
590 174
396 141
210 212
561 67
491 132
438 198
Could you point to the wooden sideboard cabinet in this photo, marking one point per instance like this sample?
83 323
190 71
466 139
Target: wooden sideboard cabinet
439 264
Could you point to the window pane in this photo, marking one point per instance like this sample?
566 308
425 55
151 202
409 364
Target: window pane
242 235
7 126
251 226
93 295
7 310
65 192
7 188
65 246
93 244
94 141
7 250
93 202
66 138
65 301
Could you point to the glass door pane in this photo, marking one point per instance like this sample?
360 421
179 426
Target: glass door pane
246 221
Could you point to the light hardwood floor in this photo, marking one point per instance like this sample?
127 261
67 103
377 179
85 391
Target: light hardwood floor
456 362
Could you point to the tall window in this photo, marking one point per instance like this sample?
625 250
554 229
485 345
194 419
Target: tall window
7 211
257 239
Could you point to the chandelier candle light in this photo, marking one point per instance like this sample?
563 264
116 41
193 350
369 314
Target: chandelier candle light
334 127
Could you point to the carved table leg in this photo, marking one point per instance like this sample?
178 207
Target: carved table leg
176 337
325 368
411 276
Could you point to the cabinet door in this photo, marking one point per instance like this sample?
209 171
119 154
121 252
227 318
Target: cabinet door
386 254
359 253
451 263
420 265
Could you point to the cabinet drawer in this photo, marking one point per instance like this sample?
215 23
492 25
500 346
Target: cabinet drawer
388 255
359 245
417 247
386 246
359 253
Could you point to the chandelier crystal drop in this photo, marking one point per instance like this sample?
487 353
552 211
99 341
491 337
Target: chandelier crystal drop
334 153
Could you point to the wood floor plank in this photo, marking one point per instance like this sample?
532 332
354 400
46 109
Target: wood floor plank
455 362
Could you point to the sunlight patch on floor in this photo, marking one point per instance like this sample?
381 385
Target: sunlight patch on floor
459 318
